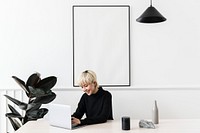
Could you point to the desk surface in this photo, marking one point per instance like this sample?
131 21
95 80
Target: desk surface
165 126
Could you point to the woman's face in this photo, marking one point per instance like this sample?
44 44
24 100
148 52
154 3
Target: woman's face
89 89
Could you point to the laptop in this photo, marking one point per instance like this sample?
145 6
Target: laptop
60 116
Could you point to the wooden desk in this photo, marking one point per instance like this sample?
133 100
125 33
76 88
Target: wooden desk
165 126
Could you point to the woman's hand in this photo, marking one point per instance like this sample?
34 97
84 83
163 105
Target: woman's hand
75 121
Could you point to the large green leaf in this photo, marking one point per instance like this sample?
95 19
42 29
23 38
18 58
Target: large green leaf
37 114
13 110
33 106
21 83
42 112
33 80
16 125
21 105
45 99
36 92
47 83
14 113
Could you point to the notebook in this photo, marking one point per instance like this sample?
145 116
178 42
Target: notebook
60 116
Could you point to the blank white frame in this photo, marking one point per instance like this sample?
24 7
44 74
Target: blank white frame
101 42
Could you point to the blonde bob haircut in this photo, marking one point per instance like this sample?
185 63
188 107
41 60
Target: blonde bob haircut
87 77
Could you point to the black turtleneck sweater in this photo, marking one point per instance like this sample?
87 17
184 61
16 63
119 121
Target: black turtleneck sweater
97 107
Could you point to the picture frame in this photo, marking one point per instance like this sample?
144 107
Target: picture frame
101 42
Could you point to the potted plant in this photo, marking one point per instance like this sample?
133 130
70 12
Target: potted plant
38 92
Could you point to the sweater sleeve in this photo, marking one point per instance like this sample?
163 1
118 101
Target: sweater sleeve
80 109
105 113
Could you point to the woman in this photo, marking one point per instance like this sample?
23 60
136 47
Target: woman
95 103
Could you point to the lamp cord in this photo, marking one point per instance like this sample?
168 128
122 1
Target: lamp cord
151 3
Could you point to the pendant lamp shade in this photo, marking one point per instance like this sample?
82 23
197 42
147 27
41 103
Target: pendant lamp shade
151 15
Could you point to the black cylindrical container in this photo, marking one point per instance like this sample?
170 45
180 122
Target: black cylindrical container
125 123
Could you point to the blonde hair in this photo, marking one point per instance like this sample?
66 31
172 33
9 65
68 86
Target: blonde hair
87 77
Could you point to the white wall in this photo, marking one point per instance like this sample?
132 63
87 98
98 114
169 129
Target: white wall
138 103
37 36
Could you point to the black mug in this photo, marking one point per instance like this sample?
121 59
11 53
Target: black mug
125 123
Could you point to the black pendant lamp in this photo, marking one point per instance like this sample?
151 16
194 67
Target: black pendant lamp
151 15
